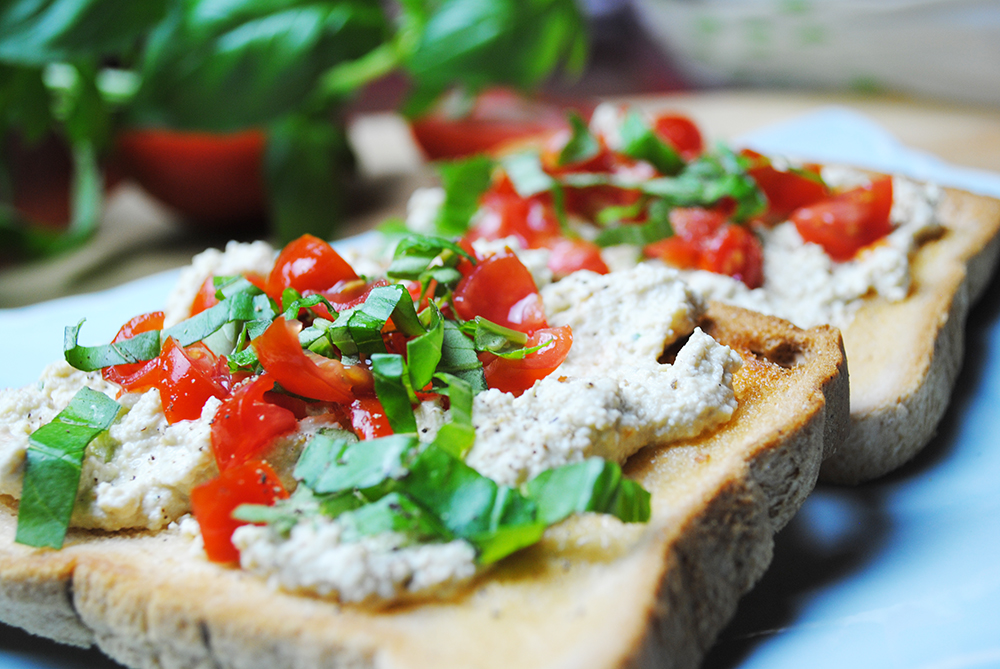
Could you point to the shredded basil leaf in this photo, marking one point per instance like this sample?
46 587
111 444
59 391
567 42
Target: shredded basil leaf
143 346
464 181
457 436
335 464
582 144
458 357
527 174
393 391
53 464
592 485
640 142
656 228
423 353
395 513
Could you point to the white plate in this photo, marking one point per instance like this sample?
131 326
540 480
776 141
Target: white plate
900 573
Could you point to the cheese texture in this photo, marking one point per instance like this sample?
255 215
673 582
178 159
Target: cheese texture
804 285
138 474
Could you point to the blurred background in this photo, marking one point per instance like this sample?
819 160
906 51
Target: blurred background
133 139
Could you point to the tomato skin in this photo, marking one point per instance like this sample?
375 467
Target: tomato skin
308 264
205 299
212 178
681 132
675 251
305 373
188 377
246 424
785 191
142 323
736 252
501 289
213 503
516 376
571 255
499 116
368 419
704 239
504 214
848 221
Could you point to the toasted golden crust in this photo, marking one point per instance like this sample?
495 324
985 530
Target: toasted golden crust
594 593
905 356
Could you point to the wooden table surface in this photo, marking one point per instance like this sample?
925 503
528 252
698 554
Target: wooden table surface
138 237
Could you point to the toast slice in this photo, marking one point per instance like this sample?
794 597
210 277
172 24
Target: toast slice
594 593
905 356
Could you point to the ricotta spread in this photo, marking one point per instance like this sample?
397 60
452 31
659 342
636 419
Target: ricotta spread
138 474
611 396
804 285
314 559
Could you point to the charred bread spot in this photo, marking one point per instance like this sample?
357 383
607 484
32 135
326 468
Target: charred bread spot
670 351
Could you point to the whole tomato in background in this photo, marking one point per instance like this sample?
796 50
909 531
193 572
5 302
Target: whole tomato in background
261 88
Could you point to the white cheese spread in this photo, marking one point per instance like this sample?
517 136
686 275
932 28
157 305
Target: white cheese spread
381 567
611 396
138 474
805 286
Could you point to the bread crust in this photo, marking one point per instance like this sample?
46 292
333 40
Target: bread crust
594 593
905 356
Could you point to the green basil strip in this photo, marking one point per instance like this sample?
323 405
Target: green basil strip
582 144
458 357
391 388
592 485
495 519
143 346
457 435
331 464
285 513
640 142
393 513
414 254
527 174
464 181
242 306
423 353
238 307
52 468
656 228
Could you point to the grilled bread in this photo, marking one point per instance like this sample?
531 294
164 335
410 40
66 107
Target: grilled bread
593 593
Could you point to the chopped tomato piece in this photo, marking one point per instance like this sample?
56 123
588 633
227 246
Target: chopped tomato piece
185 377
213 503
205 299
786 191
736 252
368 419
704 239
501 289
675 251
247 423
570 255
695 224
504 214
308 263
303 372
516 376
681 133
848 221
139 324
188 377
